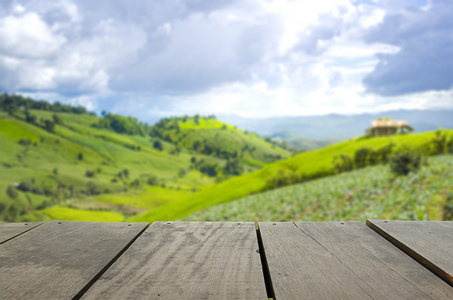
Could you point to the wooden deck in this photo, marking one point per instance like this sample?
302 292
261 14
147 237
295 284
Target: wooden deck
196 260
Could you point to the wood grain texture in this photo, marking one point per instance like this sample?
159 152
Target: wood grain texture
58 259
343 260
9 231
429 242
185 260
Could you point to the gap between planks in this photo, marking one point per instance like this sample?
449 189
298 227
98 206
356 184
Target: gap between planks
107 266
424 261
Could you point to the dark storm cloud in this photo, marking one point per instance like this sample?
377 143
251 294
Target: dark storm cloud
425 60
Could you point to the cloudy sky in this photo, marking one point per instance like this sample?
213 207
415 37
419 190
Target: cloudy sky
252 58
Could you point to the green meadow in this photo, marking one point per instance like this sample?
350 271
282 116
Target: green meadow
72 165
79 169
303 167
369 193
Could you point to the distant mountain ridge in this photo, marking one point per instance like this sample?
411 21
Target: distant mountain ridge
335 126
294 139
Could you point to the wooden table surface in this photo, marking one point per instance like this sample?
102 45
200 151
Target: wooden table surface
200 260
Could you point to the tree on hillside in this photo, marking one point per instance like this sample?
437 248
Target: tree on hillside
158 145
56 119
233 167
29 118
9 105
209 169
196 145
49 126
12 192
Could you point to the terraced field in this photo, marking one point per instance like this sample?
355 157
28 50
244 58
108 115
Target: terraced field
369 193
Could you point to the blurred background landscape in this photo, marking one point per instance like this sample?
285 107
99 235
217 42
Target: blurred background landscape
219 110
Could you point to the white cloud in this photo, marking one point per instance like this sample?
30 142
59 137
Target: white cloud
28 36
253 58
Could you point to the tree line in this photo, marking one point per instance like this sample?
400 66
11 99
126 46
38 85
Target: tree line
12 102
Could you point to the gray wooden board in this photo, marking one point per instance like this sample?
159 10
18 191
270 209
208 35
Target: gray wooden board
343 260
429 242
186 260
58 259
11 230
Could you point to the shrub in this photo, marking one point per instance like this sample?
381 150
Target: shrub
182 172
152 180
209 169
450 145
361 157
12 212
439 142
80 156
405 162
55 171
25 142
56 119
343 163
12 192
89 173
92 189
135 183
25 186
49 126
233 167
158 145
37 190
384 153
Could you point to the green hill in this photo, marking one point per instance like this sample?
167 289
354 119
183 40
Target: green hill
75 162
302 167
61 162
369 193
209 136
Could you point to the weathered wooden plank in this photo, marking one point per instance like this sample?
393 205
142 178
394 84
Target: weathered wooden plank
185 260
343 260
59 259
429 242
9 231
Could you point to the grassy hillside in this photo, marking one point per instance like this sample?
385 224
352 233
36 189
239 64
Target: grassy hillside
77 162
369 193
299 168
76 166
209 136
61 162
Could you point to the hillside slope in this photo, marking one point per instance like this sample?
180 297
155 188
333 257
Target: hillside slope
209 136
369 193
299 168
61 162
40 168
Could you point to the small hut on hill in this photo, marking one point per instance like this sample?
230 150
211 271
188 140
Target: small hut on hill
386 127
